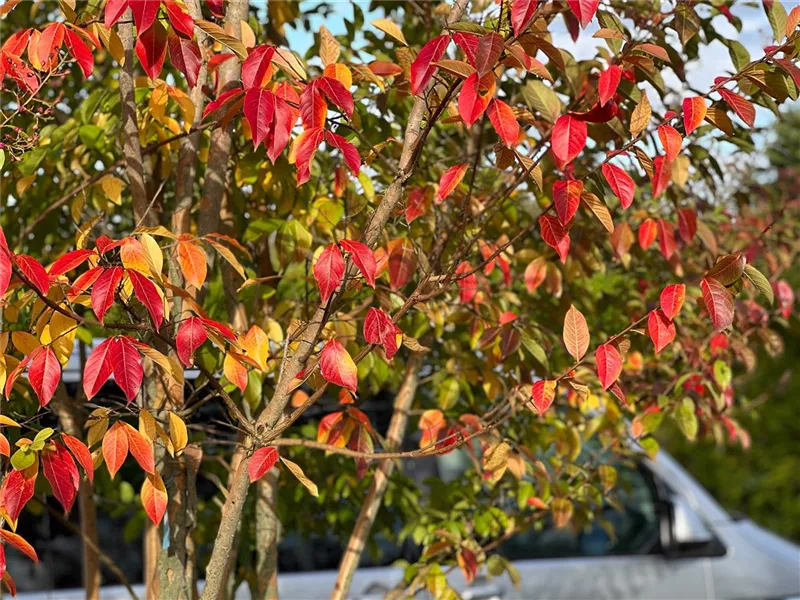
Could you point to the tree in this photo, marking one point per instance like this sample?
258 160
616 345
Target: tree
299 231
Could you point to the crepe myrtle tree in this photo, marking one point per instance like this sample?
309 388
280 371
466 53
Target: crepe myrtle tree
538 257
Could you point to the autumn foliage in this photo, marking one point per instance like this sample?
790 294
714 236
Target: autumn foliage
531 225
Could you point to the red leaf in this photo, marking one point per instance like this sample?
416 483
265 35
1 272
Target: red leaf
568 138
504 122
141 449
471 103
672 299
647 233
284 121
69 261
468 42
567 198
220 328
224 100
364 259
5 271
98 368
126 364
185 56
535 274
34 271
59 468
467 285
609 364
740 106
154 497
335 91
49 43
620 183
151 46
598 113
191 335
671 140
181 20
576 333
44 374
379 329
114 10
543 393
694 111
662 173
262 461
104 289
416 205
666 239
259 110
147 294
81 454
307 144
421 68
489 48
115 447
144 13
608 82
338 367
584 10
521 14
256 65
402 262
15 492
80 52
313 108
687 224
660 329
555 236
450 180
719 303
328 271
351 156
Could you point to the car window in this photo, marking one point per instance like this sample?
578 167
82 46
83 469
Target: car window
634 527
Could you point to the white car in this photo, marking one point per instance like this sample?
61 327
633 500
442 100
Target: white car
672 541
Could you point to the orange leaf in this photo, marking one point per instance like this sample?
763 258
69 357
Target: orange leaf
694 111
450 180
154 497
141 448
192 259
576 333
542 395
115 447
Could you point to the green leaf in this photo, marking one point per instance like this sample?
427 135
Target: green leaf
542 99
91 135
687 419
758 279
722 374
448 393
777 19
41 438
23 458
739 54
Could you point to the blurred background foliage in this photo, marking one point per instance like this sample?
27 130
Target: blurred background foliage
761 482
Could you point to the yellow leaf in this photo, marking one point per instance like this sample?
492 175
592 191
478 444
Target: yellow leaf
329 48
23 184
301 477
177 432
8 422
289 62
155 257
218 34
640 118
24 342
256 344
495 461
391 29
340 73
248 35
134 256
112 187
225 252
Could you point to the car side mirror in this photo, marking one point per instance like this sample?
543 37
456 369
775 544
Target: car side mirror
687 531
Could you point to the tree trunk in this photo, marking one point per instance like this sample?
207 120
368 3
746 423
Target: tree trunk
237 493
267 535
71 421
372 502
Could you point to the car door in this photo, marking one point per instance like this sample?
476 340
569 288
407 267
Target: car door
593 563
